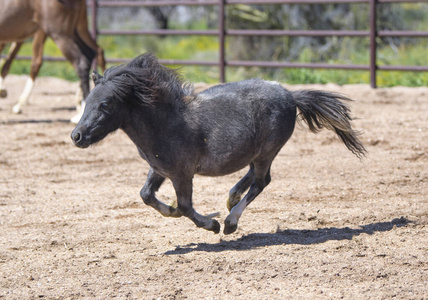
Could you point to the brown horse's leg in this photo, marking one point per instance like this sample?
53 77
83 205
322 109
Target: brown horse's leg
3 92
86 37
14 48
82 30
36 63
79 60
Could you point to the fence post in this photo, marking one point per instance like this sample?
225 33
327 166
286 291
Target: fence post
221 37
373 49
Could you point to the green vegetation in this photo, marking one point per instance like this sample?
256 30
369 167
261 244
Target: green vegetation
206 49
349 50
55 69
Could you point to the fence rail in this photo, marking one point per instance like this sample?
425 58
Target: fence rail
222 32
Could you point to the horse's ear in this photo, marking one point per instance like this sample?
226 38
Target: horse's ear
96 77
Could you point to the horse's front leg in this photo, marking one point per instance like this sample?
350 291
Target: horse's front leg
183 189
36 63
147 193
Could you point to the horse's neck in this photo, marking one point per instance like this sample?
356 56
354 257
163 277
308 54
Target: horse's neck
147 125
135 127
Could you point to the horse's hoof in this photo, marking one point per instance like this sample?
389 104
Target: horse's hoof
215 227
231 203
174 212
229 228
16 110
3 93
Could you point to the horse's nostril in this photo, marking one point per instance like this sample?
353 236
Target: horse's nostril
76 137
79 139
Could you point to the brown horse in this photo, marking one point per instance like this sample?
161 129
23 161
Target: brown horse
65 21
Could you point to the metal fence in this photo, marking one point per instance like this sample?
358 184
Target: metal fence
222 32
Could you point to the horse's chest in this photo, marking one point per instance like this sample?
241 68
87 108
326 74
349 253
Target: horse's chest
162 163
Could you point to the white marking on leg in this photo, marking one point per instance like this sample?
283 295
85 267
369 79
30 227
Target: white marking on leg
78 98
24 96
3 92
79 115
80 106
237 211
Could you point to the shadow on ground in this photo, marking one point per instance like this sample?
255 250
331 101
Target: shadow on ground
290 236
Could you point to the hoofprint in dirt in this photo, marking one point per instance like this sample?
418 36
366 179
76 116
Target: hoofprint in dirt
328 225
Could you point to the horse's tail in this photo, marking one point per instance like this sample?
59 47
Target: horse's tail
321 109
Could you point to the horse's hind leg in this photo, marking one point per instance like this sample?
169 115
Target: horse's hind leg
14 48
3 93
82 29
236 192
147 193
80 57
86 37
261 180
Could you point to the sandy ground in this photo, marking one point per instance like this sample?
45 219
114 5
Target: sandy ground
328 226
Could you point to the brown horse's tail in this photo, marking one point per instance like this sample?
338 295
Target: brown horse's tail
321 109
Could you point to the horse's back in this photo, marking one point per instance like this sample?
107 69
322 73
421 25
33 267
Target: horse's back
255 100
255 87
243 121
16 20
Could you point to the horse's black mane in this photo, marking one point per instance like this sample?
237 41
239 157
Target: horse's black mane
145 81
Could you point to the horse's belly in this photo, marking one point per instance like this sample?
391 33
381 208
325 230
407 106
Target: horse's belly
220 167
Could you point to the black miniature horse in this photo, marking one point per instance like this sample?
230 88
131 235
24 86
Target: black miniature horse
216 132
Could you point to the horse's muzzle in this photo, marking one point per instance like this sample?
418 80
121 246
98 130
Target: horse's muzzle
78 139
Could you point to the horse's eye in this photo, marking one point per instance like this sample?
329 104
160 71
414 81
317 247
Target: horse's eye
104 106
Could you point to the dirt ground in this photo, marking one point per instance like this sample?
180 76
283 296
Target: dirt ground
328 226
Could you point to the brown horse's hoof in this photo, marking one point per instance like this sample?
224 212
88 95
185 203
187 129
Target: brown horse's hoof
3 93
